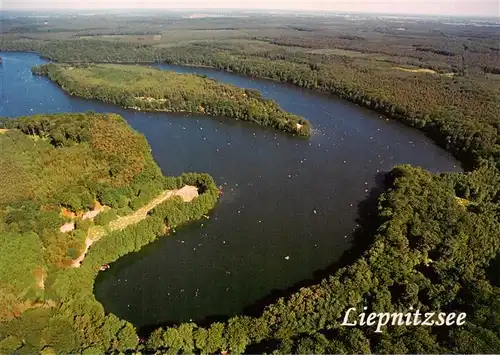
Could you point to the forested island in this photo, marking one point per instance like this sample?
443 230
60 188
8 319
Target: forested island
435 245
151 89
70 181
454 102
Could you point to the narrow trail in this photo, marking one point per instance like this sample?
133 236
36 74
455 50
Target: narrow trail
78 261
187 193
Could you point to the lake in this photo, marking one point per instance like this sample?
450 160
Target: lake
290 205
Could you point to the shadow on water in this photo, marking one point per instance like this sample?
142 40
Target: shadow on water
362 238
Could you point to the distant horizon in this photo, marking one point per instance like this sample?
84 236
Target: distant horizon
449 8
254 10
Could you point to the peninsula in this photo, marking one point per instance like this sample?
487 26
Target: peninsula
78 192
149 89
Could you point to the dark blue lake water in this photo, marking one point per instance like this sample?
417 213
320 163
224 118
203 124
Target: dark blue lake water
290 204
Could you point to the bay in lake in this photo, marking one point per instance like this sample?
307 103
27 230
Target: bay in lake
289 208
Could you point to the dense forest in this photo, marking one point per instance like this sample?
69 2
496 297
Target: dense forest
436 244
157 90
437 236
71 161
55 168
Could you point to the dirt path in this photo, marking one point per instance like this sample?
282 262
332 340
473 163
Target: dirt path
187 193
40 276
78 261
423 70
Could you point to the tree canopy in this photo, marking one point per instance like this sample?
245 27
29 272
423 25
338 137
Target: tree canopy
158 90
57 167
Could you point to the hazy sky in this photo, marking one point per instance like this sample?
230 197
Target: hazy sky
448 7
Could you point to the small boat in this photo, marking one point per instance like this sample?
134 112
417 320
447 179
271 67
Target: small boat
104 267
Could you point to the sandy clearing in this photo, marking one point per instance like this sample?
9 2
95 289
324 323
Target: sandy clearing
93 213
67 227
41 282
423 70
187 193
417 70
90 214
40 276
150 99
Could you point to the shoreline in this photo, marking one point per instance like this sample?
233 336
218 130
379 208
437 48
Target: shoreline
468 163
253 109
187 193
